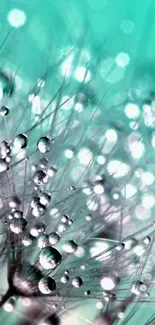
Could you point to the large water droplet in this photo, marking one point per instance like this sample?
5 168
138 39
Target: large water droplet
49 258
47 285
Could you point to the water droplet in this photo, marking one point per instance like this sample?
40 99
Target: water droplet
53 238
43 240
45 198
70 247
39 177
47 285
43 162
77 282
64 278
18 225
49 258
4 111
20 142
43 144
37 229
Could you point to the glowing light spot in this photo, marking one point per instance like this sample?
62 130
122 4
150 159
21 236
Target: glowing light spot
139 250
78 107
98 189
101 160
132 110
87 191
16 18
99 305
111 135
108 283
122 59
98 250
117 169
127 26
142 213
68 153
148 116
82 74
147 178
129 191
85 156
137 149
66 68
148 201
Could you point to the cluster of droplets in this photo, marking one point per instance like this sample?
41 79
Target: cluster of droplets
95 210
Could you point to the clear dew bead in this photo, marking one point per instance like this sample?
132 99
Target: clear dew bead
51 171
46 285
64 279
43 241
18 225
4 111
65 218
18 214
120 246
39 177
43 162
38 210
70 247
77 282
9 305
62 228
26 241
147 240
35 201
45 198
38 229
4 149
14 202
70 222
3 165
53 238
20 142
44 144
49 258
139 287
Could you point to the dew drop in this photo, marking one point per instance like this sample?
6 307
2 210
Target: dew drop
53 238
47 285
49 258
70 247
77 282
43 144
4 111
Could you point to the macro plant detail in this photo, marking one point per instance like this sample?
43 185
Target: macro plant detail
77 169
